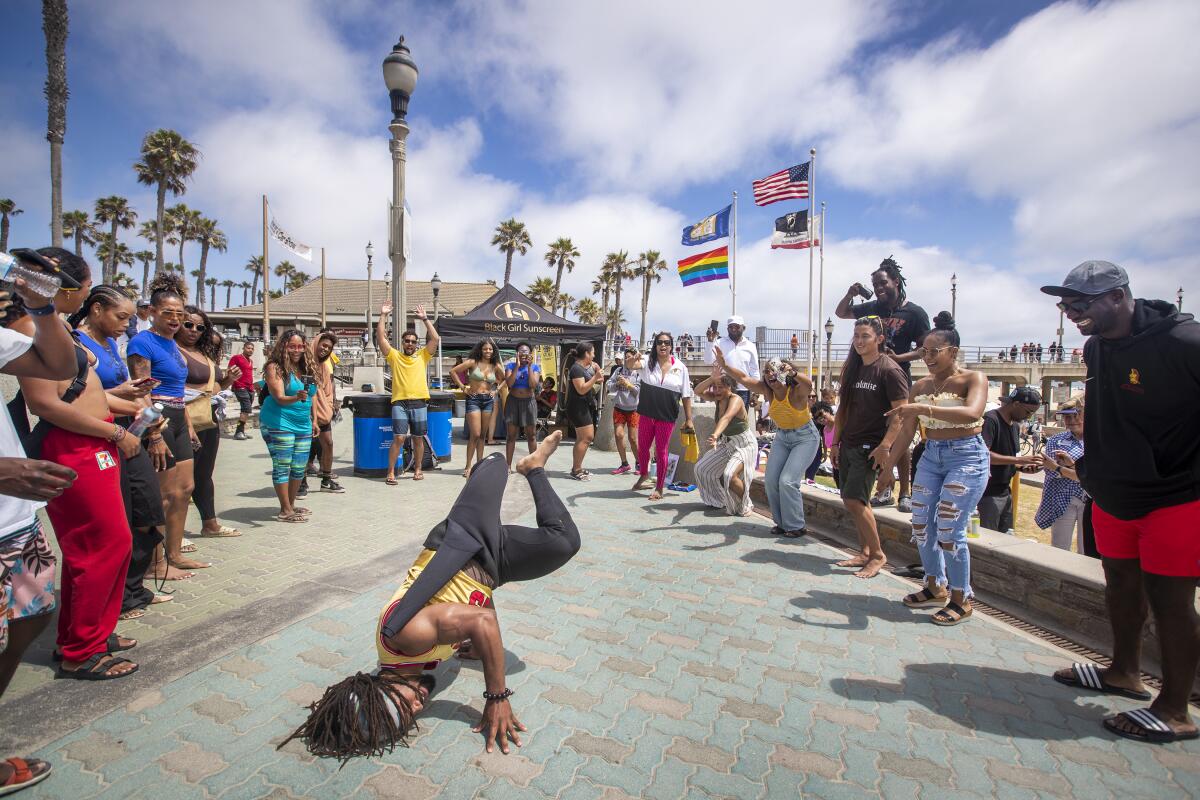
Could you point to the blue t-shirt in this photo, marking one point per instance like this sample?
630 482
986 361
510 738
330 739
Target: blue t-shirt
522 379
109 366
293 418
166 362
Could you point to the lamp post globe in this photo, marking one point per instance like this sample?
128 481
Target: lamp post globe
435 283
953 294
400 77
826 379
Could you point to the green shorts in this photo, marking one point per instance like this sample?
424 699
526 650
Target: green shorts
857 474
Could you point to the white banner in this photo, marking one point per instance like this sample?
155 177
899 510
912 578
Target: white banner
281 236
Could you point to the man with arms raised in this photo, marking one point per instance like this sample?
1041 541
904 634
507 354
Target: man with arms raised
410 389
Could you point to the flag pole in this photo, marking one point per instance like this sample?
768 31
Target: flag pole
812 194
324 322
821 296
266 302
733 256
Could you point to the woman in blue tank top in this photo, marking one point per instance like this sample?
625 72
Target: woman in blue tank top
287 419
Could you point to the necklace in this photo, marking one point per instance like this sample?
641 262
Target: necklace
938 389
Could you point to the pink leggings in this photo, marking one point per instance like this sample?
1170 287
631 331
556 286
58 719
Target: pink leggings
658 432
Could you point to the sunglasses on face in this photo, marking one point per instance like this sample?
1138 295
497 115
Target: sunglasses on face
663 342
192 326
926 352
171 314
1077 306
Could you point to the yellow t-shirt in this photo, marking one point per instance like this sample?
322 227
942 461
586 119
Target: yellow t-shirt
462 588
408 374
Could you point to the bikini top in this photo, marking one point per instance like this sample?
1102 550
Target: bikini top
476 374
944 400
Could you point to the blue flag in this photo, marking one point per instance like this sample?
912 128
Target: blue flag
712 227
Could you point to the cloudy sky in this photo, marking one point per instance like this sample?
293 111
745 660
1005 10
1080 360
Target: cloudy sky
1004 142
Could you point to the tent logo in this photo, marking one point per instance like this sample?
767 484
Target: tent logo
514 309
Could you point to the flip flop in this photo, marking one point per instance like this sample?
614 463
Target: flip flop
290 518
224 532
1150 728
1085 676
26 772
133 613
188 546
391 481
92 670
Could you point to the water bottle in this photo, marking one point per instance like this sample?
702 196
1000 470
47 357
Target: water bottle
145 418
40 283
973 528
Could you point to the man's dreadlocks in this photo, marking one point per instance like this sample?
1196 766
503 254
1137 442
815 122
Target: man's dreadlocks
890 268
355 718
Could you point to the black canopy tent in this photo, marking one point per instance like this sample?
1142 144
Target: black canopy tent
508 317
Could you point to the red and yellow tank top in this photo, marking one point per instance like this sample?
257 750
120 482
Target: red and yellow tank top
462 588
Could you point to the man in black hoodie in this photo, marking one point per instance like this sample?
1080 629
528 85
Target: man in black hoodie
1142 469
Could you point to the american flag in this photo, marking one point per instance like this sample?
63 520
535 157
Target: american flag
783 185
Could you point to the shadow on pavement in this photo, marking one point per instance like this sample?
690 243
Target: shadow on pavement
859 609
791 559
970 695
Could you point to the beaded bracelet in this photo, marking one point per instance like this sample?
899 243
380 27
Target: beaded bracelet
43 311
507 693
118 434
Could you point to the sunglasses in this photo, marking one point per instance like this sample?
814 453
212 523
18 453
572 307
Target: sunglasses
1077 306
191 326
409 341
925 352
170 314
662 342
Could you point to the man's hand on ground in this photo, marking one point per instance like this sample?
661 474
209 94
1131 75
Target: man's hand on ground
31 479
498 725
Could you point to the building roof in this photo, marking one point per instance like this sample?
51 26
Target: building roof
349 296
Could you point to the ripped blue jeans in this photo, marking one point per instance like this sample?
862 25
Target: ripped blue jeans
950 479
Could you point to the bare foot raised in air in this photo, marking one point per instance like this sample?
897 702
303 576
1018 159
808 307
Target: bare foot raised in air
871 568
541 455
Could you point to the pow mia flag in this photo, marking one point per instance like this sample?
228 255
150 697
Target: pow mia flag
796 222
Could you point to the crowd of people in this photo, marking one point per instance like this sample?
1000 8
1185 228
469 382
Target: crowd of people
1032 352
129 403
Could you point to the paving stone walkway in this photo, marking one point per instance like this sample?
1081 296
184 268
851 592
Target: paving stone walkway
681 654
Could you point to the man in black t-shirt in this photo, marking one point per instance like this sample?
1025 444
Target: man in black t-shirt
1001 434
904 327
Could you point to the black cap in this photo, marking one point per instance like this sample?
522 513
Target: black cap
1090 278
1024 394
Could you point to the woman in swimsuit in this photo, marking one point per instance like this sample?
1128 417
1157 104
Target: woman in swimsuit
484 373
951 474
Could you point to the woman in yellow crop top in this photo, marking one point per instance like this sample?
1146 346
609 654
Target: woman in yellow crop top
444 600
951 474
795 444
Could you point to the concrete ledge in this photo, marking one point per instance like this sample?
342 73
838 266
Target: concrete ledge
1060 591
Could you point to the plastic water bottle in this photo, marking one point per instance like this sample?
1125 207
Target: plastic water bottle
41 283
973 528
145 418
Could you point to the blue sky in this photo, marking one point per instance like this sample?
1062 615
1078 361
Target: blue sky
1001 141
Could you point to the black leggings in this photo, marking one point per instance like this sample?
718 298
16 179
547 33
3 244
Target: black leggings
204 493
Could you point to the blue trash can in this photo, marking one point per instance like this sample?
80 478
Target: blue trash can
372 432
441 412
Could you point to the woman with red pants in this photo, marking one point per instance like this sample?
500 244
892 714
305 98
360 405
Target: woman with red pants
665 382
79 433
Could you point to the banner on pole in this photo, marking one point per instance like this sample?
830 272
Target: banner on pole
282 236
793 231
714 226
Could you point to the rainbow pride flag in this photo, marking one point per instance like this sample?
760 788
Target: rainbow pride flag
710 266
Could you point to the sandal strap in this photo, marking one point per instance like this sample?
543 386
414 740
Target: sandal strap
21 771
952 608
1147 719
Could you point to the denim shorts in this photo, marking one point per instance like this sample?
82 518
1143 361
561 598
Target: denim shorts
410 417
484 402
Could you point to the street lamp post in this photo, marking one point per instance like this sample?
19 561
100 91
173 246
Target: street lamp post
400 75
1060 332
828 350
435 283
369 347
1179 298
954 295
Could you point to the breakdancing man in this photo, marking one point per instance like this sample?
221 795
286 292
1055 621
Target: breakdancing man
444 601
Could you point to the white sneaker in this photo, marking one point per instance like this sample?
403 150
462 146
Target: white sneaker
884 499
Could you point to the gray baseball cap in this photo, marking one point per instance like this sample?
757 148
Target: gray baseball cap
1090 278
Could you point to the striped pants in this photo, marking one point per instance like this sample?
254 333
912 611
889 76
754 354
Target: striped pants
289 454
715 470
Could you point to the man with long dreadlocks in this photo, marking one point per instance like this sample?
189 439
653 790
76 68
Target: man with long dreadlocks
444 601
905 325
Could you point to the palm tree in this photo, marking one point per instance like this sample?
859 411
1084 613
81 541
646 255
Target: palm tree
54 26
563 301
245 287
284 269
228 286
541 291
588 311
211 283
183 224
113 252
619 269
7 209
297 279
511 237
254 265
115 211
561 255
145 256
126 283
613 321
650 266
603 287
210 237
168 160
77 224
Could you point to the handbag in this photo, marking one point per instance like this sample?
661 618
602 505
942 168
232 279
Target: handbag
199 409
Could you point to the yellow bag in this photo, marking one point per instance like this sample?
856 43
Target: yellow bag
691 446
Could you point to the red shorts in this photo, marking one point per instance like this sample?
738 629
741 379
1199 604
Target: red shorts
1166 541
625 417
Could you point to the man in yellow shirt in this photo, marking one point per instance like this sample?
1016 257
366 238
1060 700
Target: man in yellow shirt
410 389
